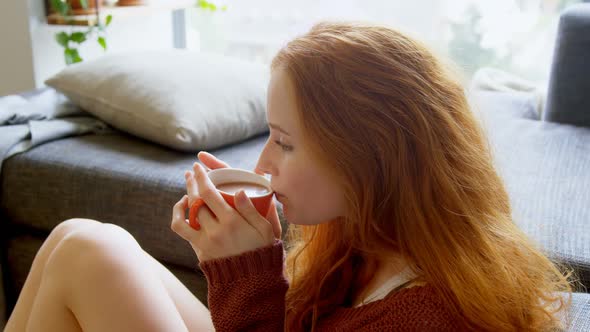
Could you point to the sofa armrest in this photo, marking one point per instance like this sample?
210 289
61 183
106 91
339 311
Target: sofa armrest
568 97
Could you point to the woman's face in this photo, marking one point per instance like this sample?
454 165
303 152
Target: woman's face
307 193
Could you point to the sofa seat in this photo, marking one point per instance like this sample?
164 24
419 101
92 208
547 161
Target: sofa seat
579 314
546 169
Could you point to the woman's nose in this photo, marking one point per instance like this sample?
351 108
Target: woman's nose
264 166
261 168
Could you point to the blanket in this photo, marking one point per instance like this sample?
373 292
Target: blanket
491 79
44 117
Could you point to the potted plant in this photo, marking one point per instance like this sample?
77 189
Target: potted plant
80 7
131 2
72 40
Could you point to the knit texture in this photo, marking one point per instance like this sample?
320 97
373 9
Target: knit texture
247 293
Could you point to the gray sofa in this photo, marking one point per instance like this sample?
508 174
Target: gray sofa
124 180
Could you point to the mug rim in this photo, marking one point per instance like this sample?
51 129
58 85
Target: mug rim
260 180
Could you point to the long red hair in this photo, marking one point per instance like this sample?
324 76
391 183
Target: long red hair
394 127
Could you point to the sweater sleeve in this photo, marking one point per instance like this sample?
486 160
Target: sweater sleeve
247 292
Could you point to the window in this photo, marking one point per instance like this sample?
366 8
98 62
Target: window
514 35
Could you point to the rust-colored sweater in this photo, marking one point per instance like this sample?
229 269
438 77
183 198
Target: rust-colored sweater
247 293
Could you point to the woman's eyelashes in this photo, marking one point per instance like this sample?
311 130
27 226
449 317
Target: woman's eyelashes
283 146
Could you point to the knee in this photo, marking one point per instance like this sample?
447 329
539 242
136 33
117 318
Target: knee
71 225
92 251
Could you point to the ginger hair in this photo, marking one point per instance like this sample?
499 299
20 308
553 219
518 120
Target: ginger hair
393 125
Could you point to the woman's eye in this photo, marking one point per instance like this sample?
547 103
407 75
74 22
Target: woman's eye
284 146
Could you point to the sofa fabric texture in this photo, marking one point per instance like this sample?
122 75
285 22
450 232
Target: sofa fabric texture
545 167
111 178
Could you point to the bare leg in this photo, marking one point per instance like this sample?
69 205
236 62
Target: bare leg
98 278
22 310
195 315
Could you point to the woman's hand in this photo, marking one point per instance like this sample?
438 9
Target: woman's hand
211 162
225 231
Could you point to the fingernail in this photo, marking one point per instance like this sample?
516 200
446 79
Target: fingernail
241 196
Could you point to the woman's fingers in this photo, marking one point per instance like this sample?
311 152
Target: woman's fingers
211 161
210 195
192 189
251 215
179 223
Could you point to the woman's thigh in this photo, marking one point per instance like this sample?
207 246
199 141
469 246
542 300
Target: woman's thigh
115 278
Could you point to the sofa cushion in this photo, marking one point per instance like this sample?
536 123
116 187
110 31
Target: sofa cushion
579 314
112 178
185 100
568 100
545 167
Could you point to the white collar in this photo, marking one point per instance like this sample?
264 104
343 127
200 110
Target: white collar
395 281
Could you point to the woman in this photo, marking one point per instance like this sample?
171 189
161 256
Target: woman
398 219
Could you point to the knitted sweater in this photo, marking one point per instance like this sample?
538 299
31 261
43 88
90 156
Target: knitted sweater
247 293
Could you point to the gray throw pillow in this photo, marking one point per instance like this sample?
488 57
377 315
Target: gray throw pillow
185 100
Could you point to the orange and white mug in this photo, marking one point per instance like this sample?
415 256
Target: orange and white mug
223 176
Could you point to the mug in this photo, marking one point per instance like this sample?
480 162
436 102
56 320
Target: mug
228 182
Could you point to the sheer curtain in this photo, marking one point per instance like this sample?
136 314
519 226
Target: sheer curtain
513 35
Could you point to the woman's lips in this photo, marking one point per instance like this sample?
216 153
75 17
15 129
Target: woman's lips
279 197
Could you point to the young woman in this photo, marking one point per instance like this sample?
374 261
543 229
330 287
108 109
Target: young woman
398 219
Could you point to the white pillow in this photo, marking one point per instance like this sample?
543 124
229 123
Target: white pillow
182 99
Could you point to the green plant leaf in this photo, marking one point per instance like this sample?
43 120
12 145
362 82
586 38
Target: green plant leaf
78 37
102 43
61 7
77 57
84 4
55 5
69 56
62 39
206 5
109 19
72 56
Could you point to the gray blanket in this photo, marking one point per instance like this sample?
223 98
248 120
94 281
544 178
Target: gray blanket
26 123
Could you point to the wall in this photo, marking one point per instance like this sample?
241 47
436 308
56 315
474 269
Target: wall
16 70
30 53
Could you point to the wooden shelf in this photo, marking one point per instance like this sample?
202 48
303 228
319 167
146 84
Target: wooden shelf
120 11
